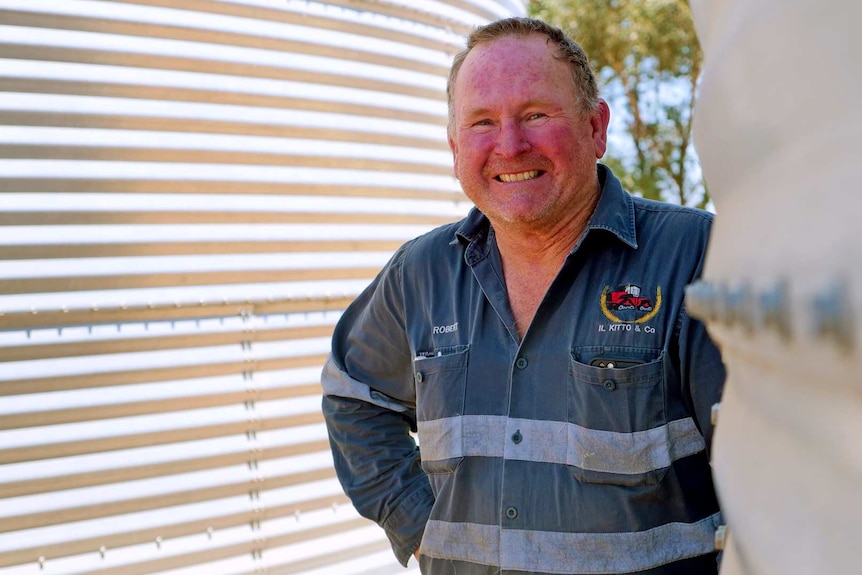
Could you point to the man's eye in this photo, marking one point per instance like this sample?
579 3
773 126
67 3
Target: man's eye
536 116
482 123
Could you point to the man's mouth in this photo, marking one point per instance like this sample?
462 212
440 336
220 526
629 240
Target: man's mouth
519 176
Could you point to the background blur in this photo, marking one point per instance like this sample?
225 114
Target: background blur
192 191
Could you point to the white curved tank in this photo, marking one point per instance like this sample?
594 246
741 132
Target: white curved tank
777 128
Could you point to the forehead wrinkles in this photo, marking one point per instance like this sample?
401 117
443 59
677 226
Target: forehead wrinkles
509 71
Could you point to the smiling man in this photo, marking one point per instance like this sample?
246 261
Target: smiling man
539 347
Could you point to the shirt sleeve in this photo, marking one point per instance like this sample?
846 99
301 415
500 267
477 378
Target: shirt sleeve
369 406
703 372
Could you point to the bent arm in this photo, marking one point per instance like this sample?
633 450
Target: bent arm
369 408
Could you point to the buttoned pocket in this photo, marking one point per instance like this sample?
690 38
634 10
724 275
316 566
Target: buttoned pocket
618 430
440 376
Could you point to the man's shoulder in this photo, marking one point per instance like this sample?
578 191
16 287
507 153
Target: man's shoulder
673 215
436 242
434 246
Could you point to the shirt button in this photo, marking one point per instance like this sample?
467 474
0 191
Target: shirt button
610 384
517 437
511 513
418 377
521 363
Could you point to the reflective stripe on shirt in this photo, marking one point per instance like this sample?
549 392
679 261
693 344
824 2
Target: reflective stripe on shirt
559 442
560 552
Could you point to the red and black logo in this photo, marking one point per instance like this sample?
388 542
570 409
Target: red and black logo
628 297
626 304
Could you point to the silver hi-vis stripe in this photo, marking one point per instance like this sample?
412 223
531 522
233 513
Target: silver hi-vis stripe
560 442
556 552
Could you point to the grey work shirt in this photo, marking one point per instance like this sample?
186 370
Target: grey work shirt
581 448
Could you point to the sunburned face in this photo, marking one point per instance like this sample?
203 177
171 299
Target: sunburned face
524 151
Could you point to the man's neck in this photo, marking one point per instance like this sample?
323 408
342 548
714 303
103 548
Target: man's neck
532 258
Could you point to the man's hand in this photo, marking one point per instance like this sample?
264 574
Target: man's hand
416 554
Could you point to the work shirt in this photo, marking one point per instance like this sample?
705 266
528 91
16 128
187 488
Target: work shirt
581 448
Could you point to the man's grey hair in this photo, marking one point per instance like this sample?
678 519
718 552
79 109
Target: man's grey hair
567 49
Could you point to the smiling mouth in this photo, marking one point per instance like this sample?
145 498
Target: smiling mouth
519 176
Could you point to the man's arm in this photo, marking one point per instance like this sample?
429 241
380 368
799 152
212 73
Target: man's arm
369 408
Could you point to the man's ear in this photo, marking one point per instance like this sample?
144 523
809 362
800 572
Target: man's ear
599 120
454 147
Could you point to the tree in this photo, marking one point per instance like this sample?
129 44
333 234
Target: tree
647 61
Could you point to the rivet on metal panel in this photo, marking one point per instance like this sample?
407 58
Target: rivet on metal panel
721 537
740 308
833 315
102 551
700 300
713 413
775 310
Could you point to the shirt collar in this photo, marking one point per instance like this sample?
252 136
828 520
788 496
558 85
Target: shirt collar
614 213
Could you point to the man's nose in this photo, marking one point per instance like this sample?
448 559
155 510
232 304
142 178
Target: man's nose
512 140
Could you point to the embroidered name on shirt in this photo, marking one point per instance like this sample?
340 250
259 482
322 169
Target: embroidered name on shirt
446 328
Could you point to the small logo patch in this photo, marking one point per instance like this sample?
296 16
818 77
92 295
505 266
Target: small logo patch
626 304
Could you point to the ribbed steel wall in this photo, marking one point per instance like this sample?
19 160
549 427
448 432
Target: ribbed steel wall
192 191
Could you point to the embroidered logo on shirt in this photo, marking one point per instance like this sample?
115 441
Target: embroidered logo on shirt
626 304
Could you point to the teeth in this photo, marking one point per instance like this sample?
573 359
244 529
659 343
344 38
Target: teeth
519 177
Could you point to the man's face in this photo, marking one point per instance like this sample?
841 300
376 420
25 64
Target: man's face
524 151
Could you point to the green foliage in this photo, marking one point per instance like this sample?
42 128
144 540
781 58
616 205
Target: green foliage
647 60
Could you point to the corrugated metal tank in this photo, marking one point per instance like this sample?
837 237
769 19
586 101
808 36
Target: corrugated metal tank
192 191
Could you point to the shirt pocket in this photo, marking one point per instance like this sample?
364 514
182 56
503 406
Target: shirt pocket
618 429
441 379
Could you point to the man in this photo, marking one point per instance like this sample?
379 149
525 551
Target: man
540 346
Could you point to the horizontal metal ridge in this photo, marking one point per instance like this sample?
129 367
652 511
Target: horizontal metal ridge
182 33
161 501
159 343
151 470
153 438
167 531
150 407
182 94
213 126
184 64
50 318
